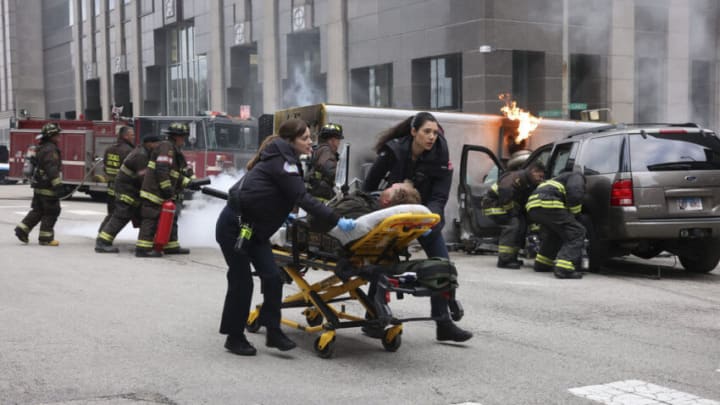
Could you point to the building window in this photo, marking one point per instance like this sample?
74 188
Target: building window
651 32
97 7
71 12
587 83
83 9
437 82
187 90
372 86
528 80
111 4
700 98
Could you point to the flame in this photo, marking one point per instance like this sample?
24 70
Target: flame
528 122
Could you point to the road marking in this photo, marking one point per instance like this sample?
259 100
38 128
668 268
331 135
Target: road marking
16 206
631 392
84 212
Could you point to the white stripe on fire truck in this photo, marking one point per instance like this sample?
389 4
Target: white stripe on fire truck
73 163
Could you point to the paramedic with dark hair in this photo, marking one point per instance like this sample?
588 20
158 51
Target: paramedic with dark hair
416 150
262 201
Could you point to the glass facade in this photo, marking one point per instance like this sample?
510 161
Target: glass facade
187 87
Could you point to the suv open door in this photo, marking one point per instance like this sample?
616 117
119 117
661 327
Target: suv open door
479 170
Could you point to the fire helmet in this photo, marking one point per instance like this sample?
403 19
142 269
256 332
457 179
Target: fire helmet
178 128
331 130
49 129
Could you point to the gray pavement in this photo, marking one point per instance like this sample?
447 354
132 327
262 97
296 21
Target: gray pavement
77 327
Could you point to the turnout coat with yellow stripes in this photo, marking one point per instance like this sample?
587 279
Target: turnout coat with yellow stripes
509 194
113 158
164 178
565 191
48 174
131 175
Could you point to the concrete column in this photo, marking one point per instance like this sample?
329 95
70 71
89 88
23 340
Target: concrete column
217 56
269 60
678 78
103 60
337 60
77 49
622 61
133 54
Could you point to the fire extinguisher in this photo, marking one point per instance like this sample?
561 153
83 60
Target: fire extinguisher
164 227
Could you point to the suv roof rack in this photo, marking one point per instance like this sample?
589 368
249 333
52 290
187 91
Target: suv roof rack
602 128
664 124
611 127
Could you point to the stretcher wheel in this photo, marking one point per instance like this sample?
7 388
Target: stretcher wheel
327 351
253 326
393 344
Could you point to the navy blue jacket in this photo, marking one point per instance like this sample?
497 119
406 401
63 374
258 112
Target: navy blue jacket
273 187
431 174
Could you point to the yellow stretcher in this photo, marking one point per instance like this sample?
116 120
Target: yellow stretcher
375 256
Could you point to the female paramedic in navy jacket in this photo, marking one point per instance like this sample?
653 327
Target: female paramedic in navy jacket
416 150
272 187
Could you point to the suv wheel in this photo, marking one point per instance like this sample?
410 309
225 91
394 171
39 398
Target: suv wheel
704 260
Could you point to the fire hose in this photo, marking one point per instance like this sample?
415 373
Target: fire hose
97 162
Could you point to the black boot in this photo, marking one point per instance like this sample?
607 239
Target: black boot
147 253
239 345
276 338
564 274
509 264
447 330
22 235
103 246
177 251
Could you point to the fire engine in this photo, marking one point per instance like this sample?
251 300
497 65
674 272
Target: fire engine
216 143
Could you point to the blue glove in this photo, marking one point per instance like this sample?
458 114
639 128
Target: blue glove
346 224
290 218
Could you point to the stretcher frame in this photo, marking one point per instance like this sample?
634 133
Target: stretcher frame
371 257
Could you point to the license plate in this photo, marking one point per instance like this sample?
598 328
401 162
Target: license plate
690 204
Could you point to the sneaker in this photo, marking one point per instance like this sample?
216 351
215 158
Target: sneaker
49 243
102 246
240 345
147 253
447 330
277 339
177 251
22 235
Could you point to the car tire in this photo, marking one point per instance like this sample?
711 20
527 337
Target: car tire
597 249
704 262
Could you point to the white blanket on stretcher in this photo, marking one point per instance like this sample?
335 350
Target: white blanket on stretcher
363 225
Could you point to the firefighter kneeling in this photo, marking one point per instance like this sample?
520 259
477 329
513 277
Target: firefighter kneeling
164 182
554 205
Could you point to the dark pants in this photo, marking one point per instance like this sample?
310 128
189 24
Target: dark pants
561 239
434 246
239 277
150 213
122 214
44 210
512 235
110 202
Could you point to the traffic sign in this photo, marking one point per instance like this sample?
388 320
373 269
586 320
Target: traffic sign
577 106
550 113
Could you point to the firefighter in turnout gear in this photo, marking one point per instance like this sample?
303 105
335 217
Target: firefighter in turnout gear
47 187
128 182
165 179
113 158
505 205
321 176
554 205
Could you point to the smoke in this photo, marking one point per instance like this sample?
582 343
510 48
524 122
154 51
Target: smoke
196 225
301 90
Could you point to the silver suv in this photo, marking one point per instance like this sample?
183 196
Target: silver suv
650 188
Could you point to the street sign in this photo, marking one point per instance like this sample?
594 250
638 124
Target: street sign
550 114
577 106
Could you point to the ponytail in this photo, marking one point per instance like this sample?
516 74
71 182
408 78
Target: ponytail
404 128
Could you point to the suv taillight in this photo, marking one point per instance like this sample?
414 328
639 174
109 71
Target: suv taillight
621 194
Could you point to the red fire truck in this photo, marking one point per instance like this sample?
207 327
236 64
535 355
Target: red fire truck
216 143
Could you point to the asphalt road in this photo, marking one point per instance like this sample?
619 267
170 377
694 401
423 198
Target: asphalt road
78 327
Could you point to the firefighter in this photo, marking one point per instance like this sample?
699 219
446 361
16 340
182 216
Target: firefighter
127 194
505 203
415 149
164 180
113 158
321 176
554 205
46 182
257 207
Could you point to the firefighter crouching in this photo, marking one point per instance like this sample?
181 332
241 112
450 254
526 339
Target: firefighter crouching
554 205
321 176
127 200
113 158
46 182
505 205
164 180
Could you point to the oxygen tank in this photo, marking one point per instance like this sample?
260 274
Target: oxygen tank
29 166
164 227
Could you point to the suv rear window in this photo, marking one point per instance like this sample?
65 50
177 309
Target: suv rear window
674 151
